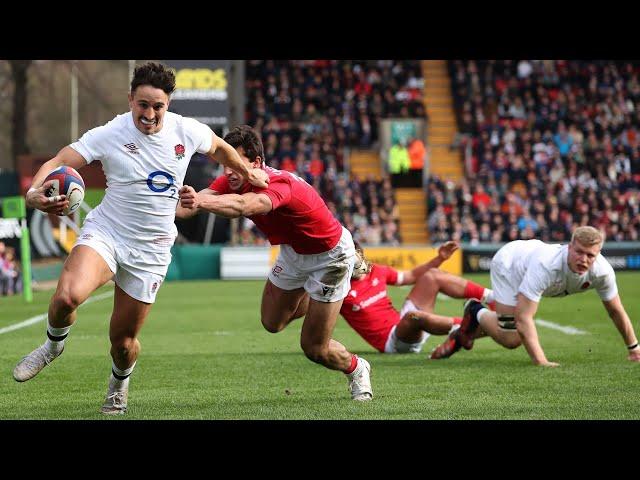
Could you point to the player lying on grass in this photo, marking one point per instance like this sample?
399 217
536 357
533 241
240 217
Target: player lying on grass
311 275
369 311
522 272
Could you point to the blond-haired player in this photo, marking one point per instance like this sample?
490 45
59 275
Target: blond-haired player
524 271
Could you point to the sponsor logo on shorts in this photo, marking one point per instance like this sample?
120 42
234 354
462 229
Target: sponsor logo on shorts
327 291
86 236
276 270
154 287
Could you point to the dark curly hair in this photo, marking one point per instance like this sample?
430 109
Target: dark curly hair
246 137
156 75
362 265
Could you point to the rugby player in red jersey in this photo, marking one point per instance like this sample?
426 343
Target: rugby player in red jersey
311 275
369 311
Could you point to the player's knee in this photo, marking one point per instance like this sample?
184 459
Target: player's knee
512 342
410 319
123 346
271 325
65 301
315 353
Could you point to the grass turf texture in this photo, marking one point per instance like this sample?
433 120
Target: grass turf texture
205 355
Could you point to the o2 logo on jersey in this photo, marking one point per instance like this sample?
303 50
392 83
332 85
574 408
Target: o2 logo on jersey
158 187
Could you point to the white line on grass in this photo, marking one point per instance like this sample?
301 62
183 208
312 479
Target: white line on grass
561 328
41 317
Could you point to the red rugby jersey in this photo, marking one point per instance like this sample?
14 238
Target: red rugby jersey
367 307
299 217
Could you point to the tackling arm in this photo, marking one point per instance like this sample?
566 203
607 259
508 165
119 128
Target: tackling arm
187 197
621 320
230 205
525 310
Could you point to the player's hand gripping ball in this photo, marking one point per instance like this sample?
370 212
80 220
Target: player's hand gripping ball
66 181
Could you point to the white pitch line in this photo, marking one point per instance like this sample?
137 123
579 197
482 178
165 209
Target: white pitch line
41 317
561 328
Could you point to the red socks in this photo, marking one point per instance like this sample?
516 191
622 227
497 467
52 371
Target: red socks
354 364
473 290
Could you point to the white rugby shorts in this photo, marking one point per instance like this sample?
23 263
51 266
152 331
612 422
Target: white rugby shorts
503 283
394 345
325 276
139 273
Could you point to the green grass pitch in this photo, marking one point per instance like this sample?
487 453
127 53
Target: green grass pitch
205 355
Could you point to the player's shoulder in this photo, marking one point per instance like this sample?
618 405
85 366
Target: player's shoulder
601 267
278 176
379 269
275 174
550 256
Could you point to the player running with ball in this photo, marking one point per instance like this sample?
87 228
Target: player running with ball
127 238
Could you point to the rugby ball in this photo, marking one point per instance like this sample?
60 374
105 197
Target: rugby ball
66 181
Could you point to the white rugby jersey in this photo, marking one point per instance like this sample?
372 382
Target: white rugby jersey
144 174
540 269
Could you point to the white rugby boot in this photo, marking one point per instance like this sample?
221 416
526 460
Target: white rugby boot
360 381
115 402
30 366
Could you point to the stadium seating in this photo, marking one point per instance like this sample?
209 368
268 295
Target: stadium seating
310 112
550 145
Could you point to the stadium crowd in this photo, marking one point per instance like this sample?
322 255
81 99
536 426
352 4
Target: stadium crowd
310 111
553 144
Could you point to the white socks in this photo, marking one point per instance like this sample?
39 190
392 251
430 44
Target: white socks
121 377
55 339
480 313
487 296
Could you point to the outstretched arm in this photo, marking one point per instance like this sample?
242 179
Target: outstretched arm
444 253
621 320
188 194
229 205
525 310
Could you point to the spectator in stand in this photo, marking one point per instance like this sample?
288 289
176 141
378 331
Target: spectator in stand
417 154
5 275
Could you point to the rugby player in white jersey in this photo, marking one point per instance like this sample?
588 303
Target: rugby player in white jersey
522 272
144 153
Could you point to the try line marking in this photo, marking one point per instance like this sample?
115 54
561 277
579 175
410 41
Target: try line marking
561 328
43 316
